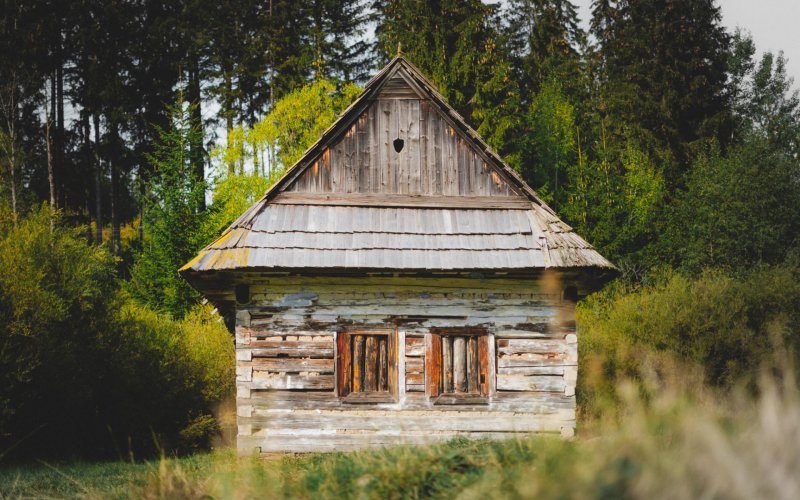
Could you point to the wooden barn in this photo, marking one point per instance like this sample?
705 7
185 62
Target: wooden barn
399 284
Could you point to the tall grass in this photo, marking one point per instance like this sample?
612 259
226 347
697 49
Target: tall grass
679 442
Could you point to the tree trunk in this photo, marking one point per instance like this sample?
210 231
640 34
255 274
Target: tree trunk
48 118
98 184
59 136
12 165
88 214
196 120
86 158
228 100
51 180
114 143
8 140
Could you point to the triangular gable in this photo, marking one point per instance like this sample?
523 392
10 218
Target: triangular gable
440 155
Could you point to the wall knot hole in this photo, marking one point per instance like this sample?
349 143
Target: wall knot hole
398 144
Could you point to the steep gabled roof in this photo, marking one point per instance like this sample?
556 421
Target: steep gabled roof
505 227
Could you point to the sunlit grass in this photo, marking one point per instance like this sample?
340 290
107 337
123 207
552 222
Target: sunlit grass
670 446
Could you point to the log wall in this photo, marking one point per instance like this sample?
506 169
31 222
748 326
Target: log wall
286 349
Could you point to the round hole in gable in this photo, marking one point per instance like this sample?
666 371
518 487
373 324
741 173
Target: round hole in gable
398 144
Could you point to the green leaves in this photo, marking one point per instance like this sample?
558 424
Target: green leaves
552 149
296 121
54 295
740 209
173 220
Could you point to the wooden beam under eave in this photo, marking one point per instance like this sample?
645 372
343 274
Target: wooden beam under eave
403 200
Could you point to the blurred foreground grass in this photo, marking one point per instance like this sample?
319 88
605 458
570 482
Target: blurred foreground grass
670 445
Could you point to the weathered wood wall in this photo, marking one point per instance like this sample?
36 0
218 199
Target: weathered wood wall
285 339
435 159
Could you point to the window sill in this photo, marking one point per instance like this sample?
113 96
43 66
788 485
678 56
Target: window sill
368 397
461 399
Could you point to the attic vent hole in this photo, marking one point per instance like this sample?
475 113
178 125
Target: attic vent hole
398 144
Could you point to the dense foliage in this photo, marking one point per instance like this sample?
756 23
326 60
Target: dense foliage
84 371
728 328
54 310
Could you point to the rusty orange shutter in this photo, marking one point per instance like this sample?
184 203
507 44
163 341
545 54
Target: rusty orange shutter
433 365
483 360
343 364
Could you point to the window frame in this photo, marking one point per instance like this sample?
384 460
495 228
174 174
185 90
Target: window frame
344 366
434 371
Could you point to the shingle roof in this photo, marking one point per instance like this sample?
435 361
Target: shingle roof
349 231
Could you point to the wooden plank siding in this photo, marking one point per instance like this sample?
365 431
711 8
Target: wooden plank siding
435 159
286 394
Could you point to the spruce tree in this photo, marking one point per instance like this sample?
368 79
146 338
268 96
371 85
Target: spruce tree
172 218
453 42
336 35
663 75
459 46
545 37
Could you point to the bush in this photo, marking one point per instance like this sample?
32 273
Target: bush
169 376
727 327
84 371
54 302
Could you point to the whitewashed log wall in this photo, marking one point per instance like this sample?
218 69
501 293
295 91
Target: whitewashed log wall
285 349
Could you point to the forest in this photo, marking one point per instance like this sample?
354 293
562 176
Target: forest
133 132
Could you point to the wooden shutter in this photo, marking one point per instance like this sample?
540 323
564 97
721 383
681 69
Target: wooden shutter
483 359
433 365
457 368
366 366
344 363
393 350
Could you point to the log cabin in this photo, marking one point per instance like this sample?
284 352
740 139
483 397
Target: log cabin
399 284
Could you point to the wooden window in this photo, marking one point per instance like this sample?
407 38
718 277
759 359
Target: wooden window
457 366
366 366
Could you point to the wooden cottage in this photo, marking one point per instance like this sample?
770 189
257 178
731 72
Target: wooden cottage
399 284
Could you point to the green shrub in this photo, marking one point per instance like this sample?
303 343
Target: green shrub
83 370
727 327
173 373
54 301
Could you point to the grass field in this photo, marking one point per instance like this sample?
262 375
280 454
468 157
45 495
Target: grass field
666 446
459 466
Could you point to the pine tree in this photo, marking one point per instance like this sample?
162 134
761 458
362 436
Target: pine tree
173 218
336 33
453 42
663 75
545 37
